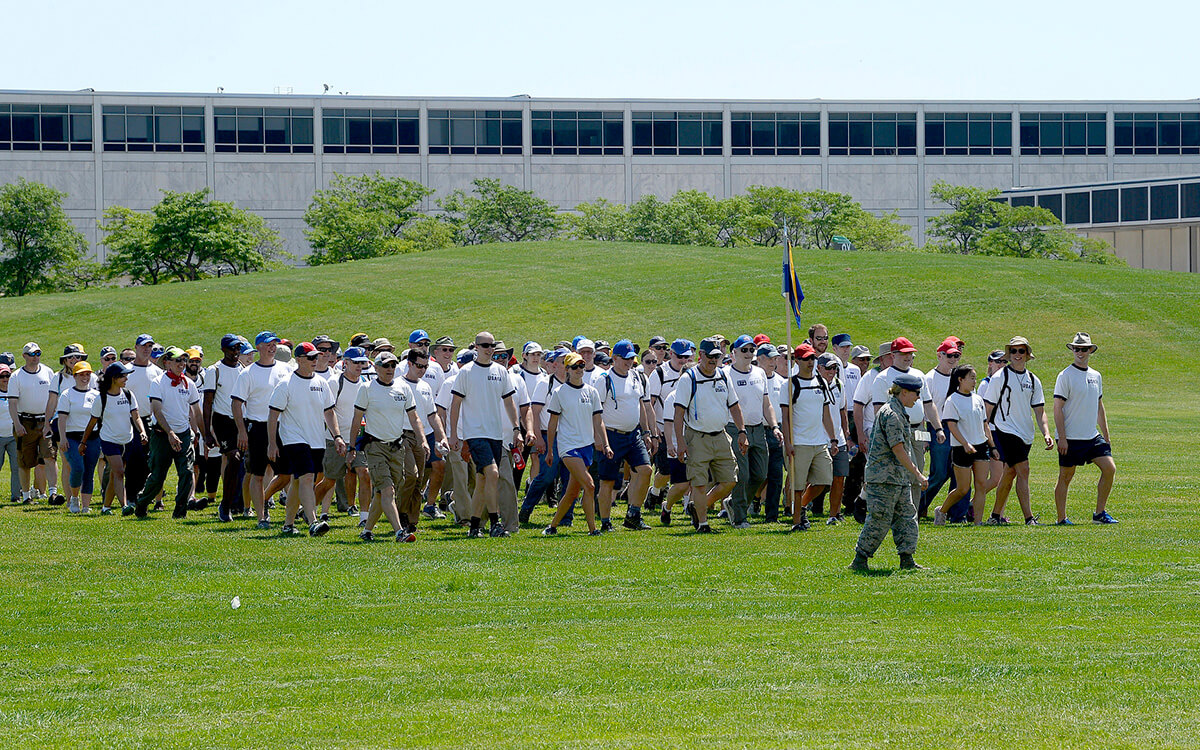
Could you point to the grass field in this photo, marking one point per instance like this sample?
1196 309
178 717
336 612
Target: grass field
120 633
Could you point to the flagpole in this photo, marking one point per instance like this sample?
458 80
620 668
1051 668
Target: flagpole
787 323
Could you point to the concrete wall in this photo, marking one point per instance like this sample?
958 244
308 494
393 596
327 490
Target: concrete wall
1158 247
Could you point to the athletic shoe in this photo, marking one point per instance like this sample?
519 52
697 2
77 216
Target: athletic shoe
406 536
159 505
366 536
58 499
1103 517
549 531
939 518
635 523
324 518
595 532
223 515
522 517
475 533
1032 521
804 525
771 519
450 510
73 506
427 511
318 529
993 521
352 510
1064 522
498 532
567 523
834 520
724 509
606 526
665 518
437 513
289 530
756 507
263 525
270 503
743 525
704 528
106 511
248 513
128 510
362 523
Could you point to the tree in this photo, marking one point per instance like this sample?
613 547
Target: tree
1025 232
973 211
364 216
769 210
187 236
599 220
828 216
36 238
499 213
885 233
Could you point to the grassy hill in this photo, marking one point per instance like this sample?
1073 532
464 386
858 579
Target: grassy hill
120 633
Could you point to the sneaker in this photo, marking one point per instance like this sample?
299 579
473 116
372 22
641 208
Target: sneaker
366 536
223 515
57 499
85 511
428 511
1032 521
834 520
498 532
549 531
324 518
743 525
567 523
128 510
289 530
1064 522
993 521
939 518
362 523
406 536
756 507
352 510
437 513
270 503
635 523
606 526
595 532
263 525
771 519
704 528
106 511
1103 517
319 528
475 533
665 518
248 513
73 506
804 525
724 514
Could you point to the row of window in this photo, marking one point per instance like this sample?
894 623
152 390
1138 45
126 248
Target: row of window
1110 205
600 133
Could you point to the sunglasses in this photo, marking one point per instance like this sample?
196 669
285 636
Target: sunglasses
747 350
661 347
196 361
325 349
127 359
109 356
312 357
368 348
485 346
4 377
809 358
820 338
953 356
181 359
387 365
35 354
714 355
447 349
1018 351
418 365
576 367
1081 348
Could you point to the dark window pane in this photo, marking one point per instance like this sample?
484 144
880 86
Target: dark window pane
1191 200
906 136
81 128
956 134
1077 209
884 135
1164 202
193 129
1095 137
614 134
1122 134
590 133
408 132
1104 206
788 134
712 136
566 133
762 134
1022 200
333 132
690 134
1050 134
358 132
980 134
168 129
643 134
383 132
860 135
54 128
487 132
302 131
1189 134
665 134
138 128
226 129
510 135
250 130
439 132
1052 203
114 129
540 133
810 134
1168 134
1144 134
1134 204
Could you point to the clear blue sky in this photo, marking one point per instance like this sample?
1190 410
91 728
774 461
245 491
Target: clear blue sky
853 49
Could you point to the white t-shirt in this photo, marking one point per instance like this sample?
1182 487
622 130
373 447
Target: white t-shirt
810 399
255 386
6 423
425 406
115 424
75 408
176 401
343 408
434 375
30 389
880 395
850 377
575 406
219 380
445 398
139 382
661 384
63 381
1014 410
863 396
541 396
777 392
531 379
622 398
970 412
520 398
836 407
483 390
1080 391
302 402
707 410
668 416
750 388
939 387
387 408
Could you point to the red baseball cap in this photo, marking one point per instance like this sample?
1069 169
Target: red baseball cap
949 345
902 345
804 351
305 349
761 339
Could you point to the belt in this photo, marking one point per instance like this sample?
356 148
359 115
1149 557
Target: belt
23 415
710 434
623 432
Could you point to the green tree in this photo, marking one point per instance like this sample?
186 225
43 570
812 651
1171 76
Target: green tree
973 211
187 236
37 240
493 212
884 233
599 220
769 210
828 215
364 216
1025 232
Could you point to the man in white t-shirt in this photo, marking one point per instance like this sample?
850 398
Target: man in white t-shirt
506 487
771 360
630 429
175 401
1014 397
459 462
903 353
216 390
809 436
660 384
949 354
145 374
251 399
704 403
483 397
758 418
432 443
1078 409
28 394
552 468
530 370
338 467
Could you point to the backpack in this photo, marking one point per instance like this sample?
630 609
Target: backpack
690 374
104 403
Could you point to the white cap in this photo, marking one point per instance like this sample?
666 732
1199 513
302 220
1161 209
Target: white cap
585 344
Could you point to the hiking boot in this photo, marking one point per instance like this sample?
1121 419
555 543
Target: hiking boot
1103 517
635 523
908 563
859 565
939 518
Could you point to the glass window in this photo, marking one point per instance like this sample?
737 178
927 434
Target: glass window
1052 202
45 127
873 133
365 131
968 134
1190 200
256 130
677 133
1063 133
158 128
1104 207
1156 133
1164 202
467 131
1134 204
1022 200
1077 208
775 133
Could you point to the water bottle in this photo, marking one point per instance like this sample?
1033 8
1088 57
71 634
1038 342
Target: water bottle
518 461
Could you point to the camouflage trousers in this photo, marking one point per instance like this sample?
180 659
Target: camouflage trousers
889 506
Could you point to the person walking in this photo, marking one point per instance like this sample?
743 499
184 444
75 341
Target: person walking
809 437
250 403
552 469
8 439
1078 410
890 475
770 360
219 380
145 374
631 436
426 446
938 379
576 429
338 467
63 380
175 401
752 387
971 444
828 366
903 353
74 411
29 393
115 413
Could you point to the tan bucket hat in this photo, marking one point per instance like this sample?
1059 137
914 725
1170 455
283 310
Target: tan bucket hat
1018 341
1081 339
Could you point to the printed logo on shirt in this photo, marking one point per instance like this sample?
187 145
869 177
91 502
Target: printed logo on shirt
315 388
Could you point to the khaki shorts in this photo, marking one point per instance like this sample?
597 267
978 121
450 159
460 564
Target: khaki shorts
386 464
33 447
334 466
709 458
813 465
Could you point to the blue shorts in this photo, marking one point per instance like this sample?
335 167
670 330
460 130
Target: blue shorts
299 459
485 452
586 453
628 447
113 449
431 453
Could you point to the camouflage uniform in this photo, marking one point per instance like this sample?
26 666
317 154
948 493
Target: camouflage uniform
889 497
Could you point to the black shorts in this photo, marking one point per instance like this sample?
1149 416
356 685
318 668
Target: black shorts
298 459
661 463
256 454
960 457
1012 449
225 431
677 470
1080 452
485 452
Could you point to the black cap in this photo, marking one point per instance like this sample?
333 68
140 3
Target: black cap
656 340
909 382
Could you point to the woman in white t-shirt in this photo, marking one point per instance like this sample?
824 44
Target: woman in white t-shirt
576 426
971 443
115 411
74 413
8 441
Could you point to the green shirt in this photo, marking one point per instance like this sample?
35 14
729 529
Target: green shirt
891 428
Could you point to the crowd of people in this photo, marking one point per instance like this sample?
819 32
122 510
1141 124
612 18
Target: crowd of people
437 430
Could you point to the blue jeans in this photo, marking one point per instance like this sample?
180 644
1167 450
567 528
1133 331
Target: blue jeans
939 470
547 473
775 462
8 447
83 468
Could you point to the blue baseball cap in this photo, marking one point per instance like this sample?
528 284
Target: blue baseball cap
624 349
231 341
418 336
841 339
357 354
246 348
682 347
266 337
143 339
744 340
466 355
767 350
553 354
575 341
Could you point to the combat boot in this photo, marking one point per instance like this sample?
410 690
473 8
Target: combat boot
860 563
908 563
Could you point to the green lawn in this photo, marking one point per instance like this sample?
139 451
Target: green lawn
120 633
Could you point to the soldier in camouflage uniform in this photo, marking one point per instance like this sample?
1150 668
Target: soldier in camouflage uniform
889 475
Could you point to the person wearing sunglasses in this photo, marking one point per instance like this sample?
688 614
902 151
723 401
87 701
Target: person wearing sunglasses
661 383
344 472
752 387
458 462
29 393
74 412
250 402
327 350
809 435
630 432
8 440
175 402
428 449
575 431
551 470
115 416
63 381
1014 398
1078 410
216 390
145 374
925 410
949 354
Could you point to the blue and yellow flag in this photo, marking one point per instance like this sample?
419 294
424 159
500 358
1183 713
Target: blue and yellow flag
791 285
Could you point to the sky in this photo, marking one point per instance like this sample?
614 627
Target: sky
852 49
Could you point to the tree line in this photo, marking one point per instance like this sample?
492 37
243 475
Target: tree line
188 236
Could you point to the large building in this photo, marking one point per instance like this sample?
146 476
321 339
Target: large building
268 153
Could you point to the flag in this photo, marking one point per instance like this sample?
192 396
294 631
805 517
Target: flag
791 285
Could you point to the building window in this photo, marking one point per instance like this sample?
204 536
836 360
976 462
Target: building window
1167 133
144 128
1023 200
968 134
582 133
45 127
474 131
1052 202
257 130
1105 207
1134 204
1062 133
677 134
1190 200
775 134
371 131
1077 208
1164 202
872 134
